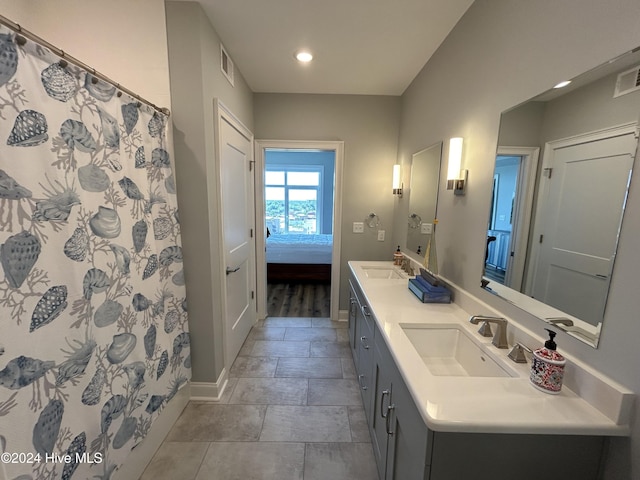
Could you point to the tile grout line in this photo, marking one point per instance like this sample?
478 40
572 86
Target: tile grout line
203 459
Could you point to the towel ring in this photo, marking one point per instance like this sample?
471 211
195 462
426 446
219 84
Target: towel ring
372 220
415 221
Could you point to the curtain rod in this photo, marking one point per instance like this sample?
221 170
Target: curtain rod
61 53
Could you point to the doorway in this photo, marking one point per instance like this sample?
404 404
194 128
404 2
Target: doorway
510 215
298 203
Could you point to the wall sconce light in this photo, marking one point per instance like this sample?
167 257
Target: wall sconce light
397 182
456 178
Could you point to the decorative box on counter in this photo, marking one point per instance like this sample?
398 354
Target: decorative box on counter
428 293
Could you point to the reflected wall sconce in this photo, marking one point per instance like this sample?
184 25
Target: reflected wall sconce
456 178
397 184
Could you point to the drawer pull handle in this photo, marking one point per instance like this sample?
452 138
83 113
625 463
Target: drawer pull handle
387 417
360 377
384 394
362 339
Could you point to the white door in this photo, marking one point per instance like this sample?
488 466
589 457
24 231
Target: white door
237 196
578 241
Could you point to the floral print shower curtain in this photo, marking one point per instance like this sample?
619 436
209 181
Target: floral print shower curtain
93 316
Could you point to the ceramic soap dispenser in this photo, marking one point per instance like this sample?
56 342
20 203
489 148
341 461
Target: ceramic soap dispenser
398 257
547 367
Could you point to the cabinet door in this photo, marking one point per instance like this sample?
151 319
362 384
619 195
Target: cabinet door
399 434
365 341
353 308
381 403
492 456
408 437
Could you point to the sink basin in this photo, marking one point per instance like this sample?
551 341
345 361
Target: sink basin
388 273
448 350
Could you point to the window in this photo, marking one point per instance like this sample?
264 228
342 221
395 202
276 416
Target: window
293 198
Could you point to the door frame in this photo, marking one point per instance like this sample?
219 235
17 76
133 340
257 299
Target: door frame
223 114
523 210
261 261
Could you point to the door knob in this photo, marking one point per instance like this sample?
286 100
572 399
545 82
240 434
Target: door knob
231 270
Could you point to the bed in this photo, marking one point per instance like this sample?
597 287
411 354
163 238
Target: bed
299 257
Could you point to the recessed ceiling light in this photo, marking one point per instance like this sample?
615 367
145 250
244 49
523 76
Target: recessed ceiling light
304 56
563 84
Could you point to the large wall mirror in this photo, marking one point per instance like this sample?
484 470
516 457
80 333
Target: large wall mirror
423 197
562 173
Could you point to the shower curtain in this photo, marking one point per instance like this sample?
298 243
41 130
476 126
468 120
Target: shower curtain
93 316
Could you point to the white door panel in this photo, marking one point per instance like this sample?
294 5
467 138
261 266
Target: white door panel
237 204
578 243
235 181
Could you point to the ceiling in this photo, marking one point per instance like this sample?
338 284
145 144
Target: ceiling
366 47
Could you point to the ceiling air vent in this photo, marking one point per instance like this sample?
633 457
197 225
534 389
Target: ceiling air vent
628 81
226 64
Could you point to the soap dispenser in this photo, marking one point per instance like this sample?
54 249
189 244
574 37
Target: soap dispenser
398 257
547 367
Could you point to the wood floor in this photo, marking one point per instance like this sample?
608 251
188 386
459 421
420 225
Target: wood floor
298 299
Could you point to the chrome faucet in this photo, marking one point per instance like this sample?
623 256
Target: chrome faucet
517 353
406 266
500 337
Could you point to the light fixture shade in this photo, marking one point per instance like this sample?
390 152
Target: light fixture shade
456 177
304 56
455 158
562 84
396 182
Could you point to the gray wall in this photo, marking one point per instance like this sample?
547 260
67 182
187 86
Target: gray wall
587 109
501 53
196 79
521 126
368 125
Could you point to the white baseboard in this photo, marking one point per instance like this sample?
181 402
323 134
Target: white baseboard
209 391
343 315
144 452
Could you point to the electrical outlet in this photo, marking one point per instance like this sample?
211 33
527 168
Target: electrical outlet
381 235
426 228
358 227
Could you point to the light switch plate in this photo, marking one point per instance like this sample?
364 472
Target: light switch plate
358 227
426 228
381 235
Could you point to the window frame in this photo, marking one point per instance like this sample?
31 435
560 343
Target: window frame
286 168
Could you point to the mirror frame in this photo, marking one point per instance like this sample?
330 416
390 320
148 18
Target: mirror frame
580 329
413 199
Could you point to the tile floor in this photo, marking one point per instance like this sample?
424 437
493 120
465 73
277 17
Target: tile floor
292 411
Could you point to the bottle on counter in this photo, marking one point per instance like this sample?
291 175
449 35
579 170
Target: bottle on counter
547 367
398 257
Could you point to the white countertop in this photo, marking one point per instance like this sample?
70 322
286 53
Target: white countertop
472 404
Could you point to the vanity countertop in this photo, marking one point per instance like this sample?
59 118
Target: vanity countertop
472 404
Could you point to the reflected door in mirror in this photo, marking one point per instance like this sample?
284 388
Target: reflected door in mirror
577 243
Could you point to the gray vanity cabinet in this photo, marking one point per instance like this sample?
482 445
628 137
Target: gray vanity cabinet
400 439
362 344
405 449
